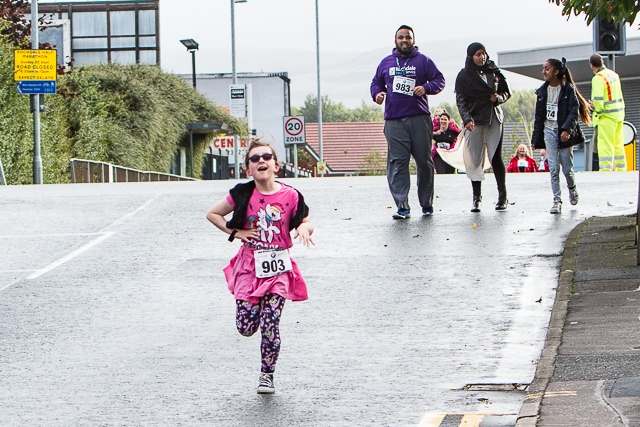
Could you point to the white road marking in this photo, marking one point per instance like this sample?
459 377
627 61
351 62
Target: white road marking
10 284
102 235
27 236
133 212
70 255
172 268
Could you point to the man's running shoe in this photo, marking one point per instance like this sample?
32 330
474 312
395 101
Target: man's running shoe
402 214
427 211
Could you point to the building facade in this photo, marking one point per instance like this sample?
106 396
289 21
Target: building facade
269 103
94 32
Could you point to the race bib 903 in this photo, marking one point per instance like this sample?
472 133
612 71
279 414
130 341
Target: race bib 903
403 85
271 262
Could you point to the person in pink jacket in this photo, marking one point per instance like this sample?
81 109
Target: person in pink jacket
436 120
522 162
444 138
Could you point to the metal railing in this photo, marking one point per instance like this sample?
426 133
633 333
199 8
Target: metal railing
289 171
89 171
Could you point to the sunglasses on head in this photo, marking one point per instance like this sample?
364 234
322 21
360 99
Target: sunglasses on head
256 157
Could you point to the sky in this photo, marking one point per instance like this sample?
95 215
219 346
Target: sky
280 35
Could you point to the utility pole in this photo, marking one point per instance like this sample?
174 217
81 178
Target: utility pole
35 101
319 93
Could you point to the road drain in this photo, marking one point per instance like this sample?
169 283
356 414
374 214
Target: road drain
496 387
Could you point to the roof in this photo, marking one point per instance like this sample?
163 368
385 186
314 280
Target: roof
529 62
346 145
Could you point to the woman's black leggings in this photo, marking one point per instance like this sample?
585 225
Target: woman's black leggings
499 171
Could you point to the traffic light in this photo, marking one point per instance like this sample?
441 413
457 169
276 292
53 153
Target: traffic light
608 37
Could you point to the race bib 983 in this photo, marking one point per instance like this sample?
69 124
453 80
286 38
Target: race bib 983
403 85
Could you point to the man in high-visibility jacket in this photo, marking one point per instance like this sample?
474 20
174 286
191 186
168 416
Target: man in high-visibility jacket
608 115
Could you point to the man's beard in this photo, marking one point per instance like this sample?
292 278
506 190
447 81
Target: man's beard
405 51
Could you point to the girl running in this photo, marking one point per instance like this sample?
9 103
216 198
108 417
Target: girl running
261 276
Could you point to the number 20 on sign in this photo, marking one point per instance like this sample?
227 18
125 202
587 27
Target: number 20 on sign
294 130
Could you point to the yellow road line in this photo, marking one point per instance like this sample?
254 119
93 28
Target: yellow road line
431 420
467 420
471 420
561 393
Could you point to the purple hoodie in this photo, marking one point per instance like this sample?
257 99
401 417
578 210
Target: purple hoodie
418 67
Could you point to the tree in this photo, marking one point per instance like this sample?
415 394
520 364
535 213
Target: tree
374 164
520 107
615 10
13 24
366 113
337 112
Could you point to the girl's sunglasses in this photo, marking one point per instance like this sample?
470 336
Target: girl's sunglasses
256 157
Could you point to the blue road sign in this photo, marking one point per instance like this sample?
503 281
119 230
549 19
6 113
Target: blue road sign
35 87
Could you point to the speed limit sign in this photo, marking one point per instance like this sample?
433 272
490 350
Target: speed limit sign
294 132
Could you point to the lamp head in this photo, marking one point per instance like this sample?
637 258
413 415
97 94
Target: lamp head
190 44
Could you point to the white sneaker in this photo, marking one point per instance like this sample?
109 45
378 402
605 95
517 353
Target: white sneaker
556 208
573 196
265 384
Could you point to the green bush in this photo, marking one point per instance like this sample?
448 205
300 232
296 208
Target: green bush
374 164
134 116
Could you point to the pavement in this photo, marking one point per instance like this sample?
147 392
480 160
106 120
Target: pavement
589 370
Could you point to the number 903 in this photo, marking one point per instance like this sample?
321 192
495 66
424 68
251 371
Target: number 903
273 266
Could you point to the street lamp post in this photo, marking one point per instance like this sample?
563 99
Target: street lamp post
35 101
234 78
192 46
319 94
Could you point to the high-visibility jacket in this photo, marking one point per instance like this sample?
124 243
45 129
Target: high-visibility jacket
606 94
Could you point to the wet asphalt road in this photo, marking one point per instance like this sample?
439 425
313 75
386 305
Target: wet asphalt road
114 310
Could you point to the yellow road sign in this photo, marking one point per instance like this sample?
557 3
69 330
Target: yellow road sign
321 167
35 64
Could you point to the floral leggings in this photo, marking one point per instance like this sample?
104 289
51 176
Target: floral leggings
265 314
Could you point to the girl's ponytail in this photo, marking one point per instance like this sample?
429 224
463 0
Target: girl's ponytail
585 109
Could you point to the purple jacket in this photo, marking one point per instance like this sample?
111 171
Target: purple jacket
418 67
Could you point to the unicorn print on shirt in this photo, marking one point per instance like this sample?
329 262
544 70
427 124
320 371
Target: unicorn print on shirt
267 217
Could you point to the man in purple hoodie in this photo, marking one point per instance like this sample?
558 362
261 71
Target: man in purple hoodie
405 78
